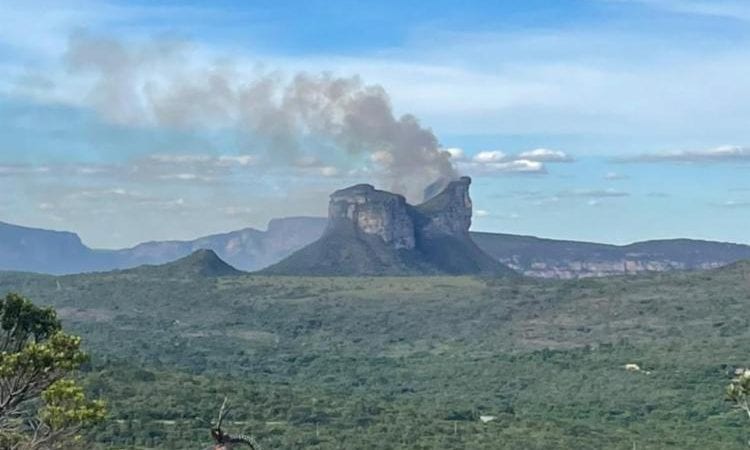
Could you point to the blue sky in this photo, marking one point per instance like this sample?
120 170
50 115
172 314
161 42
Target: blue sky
602 120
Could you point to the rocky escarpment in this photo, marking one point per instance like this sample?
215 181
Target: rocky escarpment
548 258
374 232
33 249
448 212
372 212
369 211
443 219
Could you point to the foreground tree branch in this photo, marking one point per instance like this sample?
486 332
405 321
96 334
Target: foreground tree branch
225 441
39 408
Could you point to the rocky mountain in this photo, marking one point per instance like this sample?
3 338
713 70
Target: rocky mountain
201 263
548 258
55 252
61 252
247 249
373 232
37 250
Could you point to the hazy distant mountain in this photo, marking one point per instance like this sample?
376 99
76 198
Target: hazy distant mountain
37 250
59 252
247 249
55 252
373 232
548 258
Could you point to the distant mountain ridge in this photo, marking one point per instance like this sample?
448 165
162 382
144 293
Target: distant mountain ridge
247 249
60 252
36 250
549 258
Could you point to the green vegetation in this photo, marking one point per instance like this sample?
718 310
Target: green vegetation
738 391
35 356
410 363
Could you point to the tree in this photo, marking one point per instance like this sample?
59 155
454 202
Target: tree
738 391
40 409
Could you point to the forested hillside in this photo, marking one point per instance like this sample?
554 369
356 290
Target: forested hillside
410 362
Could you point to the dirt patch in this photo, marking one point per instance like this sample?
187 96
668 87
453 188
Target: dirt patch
85 314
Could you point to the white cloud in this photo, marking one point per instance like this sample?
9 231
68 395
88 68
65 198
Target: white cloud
106 194
528 162
483 213
329 171
545 155
722 154
185 176
613 176
493 156
195 159
242 160
489 167
179 158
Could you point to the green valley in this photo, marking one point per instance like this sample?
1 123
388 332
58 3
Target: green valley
409 362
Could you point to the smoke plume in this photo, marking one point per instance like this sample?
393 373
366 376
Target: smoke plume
305 117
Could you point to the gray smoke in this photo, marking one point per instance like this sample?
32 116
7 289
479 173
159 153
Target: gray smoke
319 114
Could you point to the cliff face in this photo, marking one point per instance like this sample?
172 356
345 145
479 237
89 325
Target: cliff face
373 213
32 249
449 212
373 232
386 215
594 269
548 258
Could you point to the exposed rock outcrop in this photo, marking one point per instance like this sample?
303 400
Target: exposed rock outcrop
374 232
548 258
449 212
442 218
373 212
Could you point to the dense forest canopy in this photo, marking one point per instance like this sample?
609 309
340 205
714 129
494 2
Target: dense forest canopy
408 363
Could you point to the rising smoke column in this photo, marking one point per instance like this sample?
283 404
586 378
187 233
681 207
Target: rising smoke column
160 84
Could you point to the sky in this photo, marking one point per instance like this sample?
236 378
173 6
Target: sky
601 120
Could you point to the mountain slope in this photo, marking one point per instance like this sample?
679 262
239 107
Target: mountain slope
201 263
342 252
246 249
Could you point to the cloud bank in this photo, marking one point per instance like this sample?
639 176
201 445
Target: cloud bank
722 154
493 162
